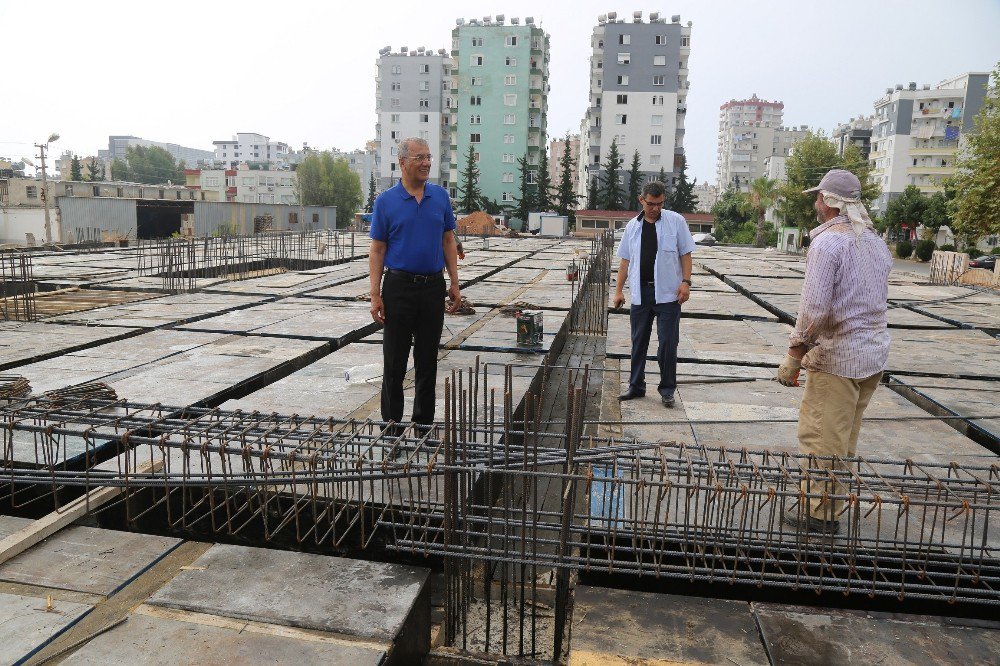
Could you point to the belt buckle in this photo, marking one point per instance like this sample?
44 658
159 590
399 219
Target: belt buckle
420 278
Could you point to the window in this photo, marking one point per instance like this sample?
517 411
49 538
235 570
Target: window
293 218
424 69
599 65
624 58
211 182
623 79
396 85
475 119
477 41
621 119
506 196
476 60
394 118
393 151
508 138
392 166
659 60
654 160
396 69
656 120
658 80
475 100
477 80
508 157
660 40
509 119
425 86
425 103
425 117
657 100
394 102
507 178
510 99
685 41
510 80
69 191
656 139
510 40
624 39
510 62
474 137
249 180
621 99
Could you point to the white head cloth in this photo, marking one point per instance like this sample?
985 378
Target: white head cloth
853 209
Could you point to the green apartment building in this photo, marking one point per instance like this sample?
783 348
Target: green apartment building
499 91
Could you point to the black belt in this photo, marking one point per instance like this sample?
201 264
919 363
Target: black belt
648 284
414 277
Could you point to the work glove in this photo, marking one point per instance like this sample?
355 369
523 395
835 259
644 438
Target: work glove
788 371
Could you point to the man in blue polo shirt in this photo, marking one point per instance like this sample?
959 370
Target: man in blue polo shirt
412 241
655 253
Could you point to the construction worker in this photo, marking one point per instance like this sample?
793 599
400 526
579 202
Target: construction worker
840 337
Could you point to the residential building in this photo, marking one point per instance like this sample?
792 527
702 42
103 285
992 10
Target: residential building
245 184
750 131
251 148
707 196
916 133
64 166
500 86
638 94
557 150
118 146
364 163
857 131
412 99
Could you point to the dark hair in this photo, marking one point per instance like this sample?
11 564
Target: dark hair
654 188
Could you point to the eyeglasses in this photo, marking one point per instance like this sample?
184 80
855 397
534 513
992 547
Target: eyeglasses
653 204
427 157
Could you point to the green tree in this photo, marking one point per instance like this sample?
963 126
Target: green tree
525 203
611 187
976 206
593 194
469 194
683 199
544 181
325 181
566 197
634 182
908 208
936 213
812 158
663 176
761 196
370 204
75 172
96 169
730 216
150 165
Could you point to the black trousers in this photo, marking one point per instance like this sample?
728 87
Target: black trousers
668 333
414 311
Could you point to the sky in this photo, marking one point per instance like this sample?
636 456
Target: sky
195 72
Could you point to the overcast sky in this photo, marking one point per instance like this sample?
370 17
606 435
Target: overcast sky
195 72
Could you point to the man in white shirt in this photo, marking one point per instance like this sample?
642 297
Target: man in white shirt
655 253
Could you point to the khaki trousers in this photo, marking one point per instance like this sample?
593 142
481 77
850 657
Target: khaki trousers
829 423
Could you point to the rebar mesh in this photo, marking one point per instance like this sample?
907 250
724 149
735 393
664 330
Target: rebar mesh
17 287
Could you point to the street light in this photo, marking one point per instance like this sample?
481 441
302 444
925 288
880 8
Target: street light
42 147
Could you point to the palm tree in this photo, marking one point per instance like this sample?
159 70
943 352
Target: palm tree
762 195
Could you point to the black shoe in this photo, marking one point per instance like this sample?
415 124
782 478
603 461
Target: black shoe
631 394
667 400
810 524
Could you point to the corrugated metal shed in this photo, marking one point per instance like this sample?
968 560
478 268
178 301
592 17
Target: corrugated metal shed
212 216
106 214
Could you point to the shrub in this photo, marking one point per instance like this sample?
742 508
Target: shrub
947 247
996 250
904 249
924 250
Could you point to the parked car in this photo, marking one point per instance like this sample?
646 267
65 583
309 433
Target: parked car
987 261
703 239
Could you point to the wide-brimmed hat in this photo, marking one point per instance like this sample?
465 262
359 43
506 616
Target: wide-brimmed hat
841 182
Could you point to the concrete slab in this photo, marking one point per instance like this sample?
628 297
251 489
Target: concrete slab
28 625
797 635
159 311
369 600
618 627
22 341
83 559
144 639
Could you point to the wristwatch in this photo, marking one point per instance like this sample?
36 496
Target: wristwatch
686 281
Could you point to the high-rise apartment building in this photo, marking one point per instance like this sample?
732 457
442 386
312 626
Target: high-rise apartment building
500 84
638 95
557 150
118 146
251 148
917 133
412 99
857 132
750 131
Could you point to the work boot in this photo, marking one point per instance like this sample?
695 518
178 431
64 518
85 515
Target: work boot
631 394
810 524
667 400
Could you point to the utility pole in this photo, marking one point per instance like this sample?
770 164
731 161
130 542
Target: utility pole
42 147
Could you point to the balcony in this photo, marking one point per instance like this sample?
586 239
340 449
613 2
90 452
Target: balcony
930 171
939 151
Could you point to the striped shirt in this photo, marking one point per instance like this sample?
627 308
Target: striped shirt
842 313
